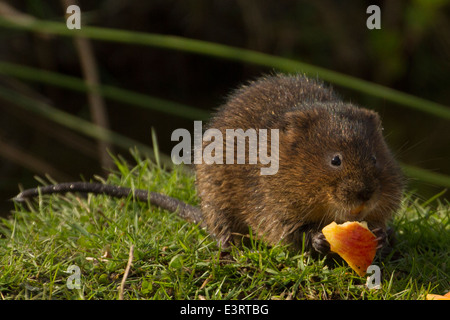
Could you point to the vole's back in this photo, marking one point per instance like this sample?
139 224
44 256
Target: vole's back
261 103
304 193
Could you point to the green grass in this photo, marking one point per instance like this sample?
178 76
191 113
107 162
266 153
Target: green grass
177 260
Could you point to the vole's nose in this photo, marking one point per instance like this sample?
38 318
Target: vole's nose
365 194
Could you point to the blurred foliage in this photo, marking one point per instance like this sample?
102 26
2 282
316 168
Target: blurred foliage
411 53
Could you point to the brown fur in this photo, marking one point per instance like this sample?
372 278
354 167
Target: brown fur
307 193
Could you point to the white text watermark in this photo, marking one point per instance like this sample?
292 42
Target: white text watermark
235 143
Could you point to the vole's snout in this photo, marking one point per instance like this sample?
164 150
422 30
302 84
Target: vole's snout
355 198
365 194
361 200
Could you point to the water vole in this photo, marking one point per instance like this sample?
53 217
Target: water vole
334 165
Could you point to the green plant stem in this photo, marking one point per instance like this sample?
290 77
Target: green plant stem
75 123
111 92
230 53
426 175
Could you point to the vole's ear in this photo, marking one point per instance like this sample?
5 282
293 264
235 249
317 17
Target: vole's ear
299 119
374 119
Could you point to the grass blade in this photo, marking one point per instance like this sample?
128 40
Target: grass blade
426 175
77 124
230 53
111 92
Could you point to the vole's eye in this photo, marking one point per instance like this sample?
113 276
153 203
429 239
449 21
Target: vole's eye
336 160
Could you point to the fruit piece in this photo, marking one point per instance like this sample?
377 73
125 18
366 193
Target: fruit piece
438 297
354 242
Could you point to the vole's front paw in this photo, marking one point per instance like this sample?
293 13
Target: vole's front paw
385 239
381 237
320 244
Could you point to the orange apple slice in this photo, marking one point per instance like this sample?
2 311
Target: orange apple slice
354 242
438 297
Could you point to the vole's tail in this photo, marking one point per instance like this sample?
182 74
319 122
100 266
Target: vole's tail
184 210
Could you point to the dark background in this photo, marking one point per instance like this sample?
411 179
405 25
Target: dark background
411 53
